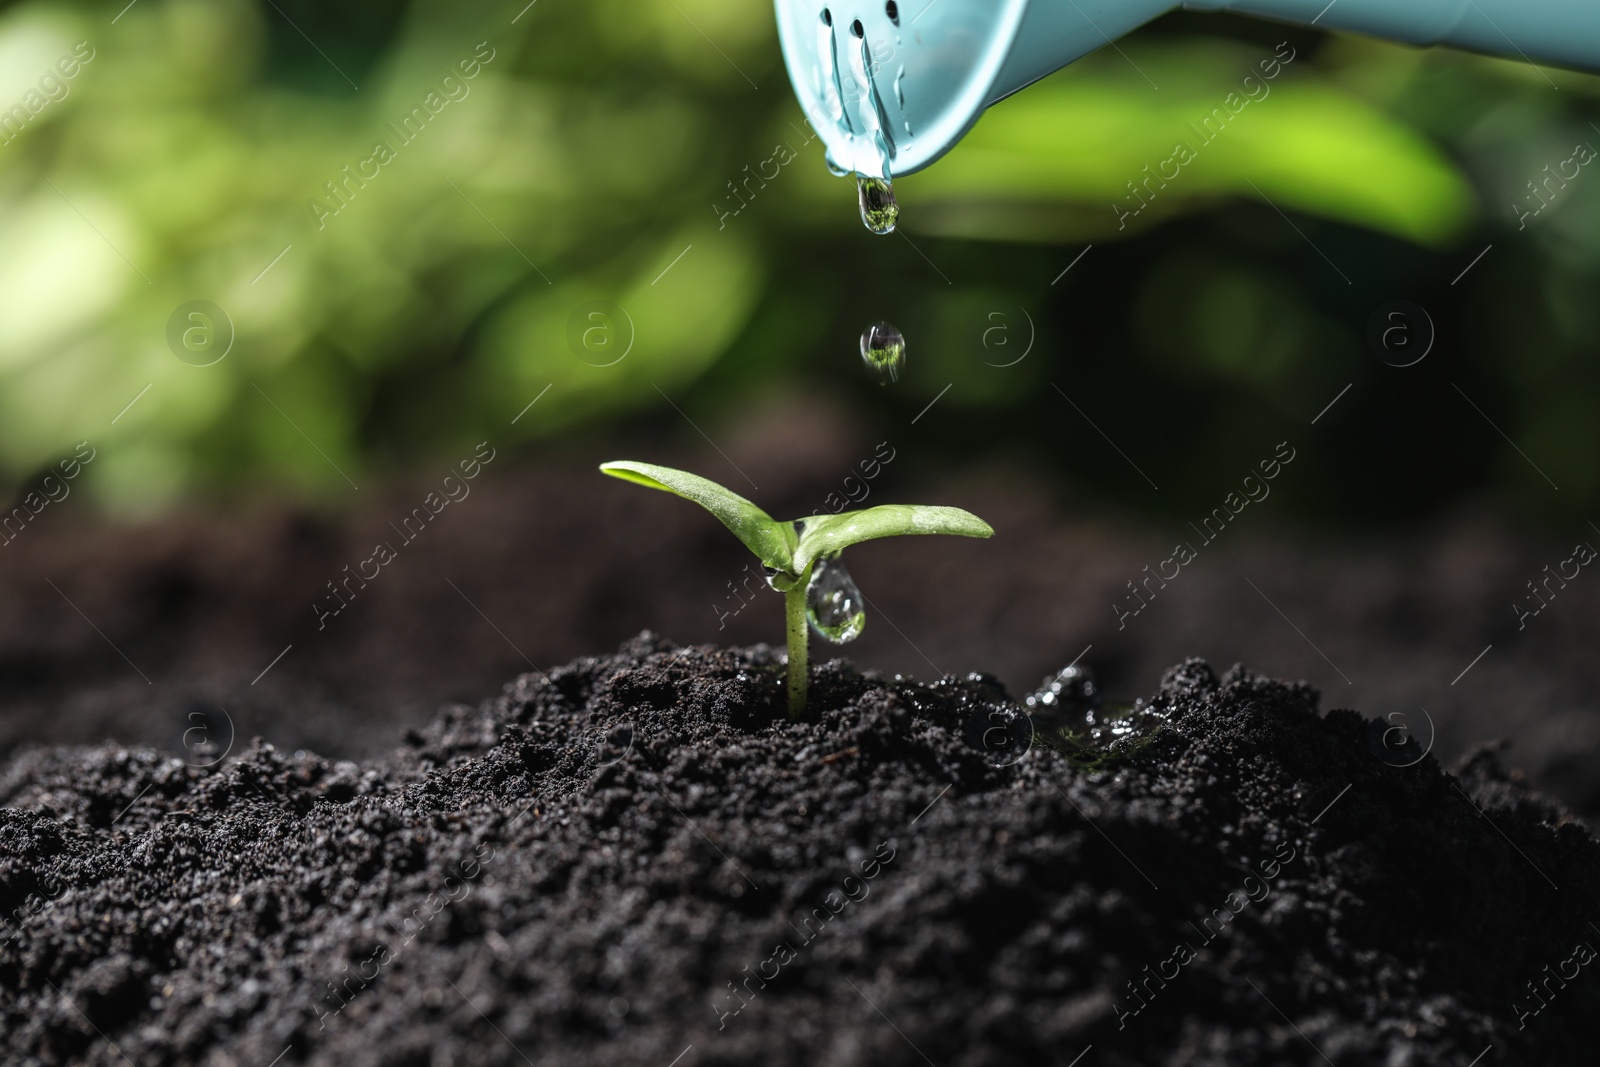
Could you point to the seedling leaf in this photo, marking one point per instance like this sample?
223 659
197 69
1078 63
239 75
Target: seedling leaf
789 549
770 540
823 536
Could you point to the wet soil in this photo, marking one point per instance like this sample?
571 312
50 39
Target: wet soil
636 859
195 632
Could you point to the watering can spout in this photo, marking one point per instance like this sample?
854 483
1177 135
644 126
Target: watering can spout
892 86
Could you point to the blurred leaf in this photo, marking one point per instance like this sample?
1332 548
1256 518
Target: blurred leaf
604 161
1083 138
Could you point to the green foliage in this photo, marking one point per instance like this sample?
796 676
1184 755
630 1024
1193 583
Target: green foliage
597 149
409 309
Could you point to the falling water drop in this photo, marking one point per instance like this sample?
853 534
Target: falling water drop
833 603
878 207
883 351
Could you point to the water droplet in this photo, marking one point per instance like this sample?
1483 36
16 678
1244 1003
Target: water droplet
878 207
833 603
883 350
1073 690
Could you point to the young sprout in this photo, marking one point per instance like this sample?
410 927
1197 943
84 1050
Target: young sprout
800 558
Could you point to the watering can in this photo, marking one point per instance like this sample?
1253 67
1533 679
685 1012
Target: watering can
892 86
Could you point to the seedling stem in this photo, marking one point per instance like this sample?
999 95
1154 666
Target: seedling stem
794 611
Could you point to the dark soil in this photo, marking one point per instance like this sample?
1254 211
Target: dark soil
637 860
547 561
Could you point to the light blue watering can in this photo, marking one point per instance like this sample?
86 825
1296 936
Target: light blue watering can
892 86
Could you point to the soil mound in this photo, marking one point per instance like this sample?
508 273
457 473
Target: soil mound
636 859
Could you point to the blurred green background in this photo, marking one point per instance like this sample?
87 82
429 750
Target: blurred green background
592 162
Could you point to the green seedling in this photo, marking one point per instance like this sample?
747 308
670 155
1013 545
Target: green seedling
801 558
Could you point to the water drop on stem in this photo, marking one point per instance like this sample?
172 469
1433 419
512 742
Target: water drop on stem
834 604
